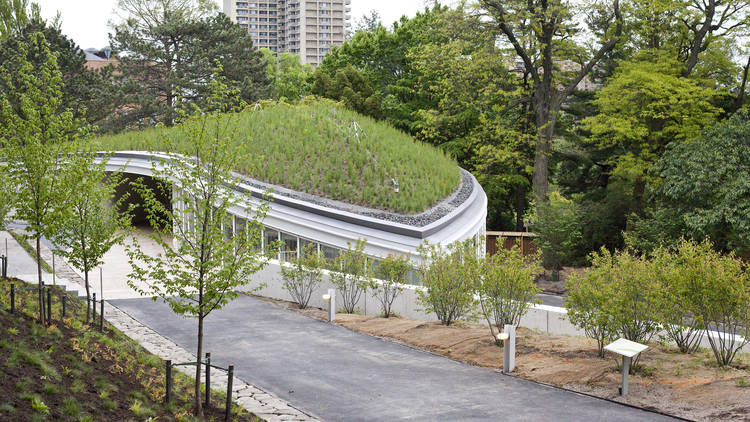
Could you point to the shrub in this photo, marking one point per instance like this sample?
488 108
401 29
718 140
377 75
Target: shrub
675 310
506 287
617 296
587 305
304 275
449 276
392 272
719 290
557 224
352 275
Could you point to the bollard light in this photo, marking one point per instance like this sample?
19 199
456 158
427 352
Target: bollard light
330 298
503 336
508 337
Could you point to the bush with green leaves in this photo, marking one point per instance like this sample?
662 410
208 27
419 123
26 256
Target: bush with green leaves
392 273
506 287
675 270
719 292
587 304
449 275
617 297
558 226
304 275
352 275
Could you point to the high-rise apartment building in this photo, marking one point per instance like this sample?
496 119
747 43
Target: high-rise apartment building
305 27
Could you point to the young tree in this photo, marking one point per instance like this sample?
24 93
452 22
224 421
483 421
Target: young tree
36 136
7 197
304 275
449 276
290 78
540 33
94 223
199 267
351 275
557 223
506 287
391 274
587 302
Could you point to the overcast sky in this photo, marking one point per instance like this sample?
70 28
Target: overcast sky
86 21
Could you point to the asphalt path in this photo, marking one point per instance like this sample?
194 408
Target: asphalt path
340 375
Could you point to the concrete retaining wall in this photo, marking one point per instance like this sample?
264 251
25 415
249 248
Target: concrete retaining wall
542 318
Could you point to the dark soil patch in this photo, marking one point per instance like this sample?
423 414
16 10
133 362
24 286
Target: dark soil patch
68 371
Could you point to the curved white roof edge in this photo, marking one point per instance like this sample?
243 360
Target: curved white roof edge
338 227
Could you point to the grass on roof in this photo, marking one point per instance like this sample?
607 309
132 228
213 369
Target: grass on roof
324 149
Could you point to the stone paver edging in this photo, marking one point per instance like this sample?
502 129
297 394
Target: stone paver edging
261 403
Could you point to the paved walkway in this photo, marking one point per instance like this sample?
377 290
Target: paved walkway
340 375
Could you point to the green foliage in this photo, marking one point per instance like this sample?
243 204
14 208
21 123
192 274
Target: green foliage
558 226
323 149
201 267
702 191
166 52
506 287
291 79
304 275
38 405
676 271
391 275
85 92
15 15
94 221
35 132
352 275
350 87
449 275
587 305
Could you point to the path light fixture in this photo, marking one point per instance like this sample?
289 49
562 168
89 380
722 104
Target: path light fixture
508 337
330 297
627 349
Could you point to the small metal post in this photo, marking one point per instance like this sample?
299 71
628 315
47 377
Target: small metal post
101 316
509 349
208 379
12 298
331 305
625 371
168 381
230 376
49 306
93 307
63 305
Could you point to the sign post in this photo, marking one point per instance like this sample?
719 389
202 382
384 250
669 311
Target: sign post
627 349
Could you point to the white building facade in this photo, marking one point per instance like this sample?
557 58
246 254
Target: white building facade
308 28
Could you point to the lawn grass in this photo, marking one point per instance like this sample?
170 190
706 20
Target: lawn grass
321 148
70 371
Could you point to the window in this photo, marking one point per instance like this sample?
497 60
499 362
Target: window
304 243
289 247
270 238
228 226
329 252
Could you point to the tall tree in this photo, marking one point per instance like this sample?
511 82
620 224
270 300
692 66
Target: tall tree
84 90
167 49
539 33
36 135
200 267
15 15
291 79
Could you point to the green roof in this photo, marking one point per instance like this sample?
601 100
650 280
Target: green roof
324 149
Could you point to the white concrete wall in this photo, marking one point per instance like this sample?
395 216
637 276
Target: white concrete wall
542 318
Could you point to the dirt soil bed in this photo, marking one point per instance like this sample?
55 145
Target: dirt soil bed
71 372
689 386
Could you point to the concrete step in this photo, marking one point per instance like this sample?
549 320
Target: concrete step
75 289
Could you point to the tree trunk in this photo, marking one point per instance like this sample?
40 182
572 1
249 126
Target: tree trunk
88 297
40 281
198 405
545 123
520 207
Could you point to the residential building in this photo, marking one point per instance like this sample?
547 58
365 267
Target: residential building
305 27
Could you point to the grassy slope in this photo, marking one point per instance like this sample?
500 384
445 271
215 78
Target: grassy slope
72 372
312 148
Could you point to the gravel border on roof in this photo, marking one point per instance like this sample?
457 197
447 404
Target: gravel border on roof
436 212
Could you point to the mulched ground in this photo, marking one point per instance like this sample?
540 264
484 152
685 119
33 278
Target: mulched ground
67 372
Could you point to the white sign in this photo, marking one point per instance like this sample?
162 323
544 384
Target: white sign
625 347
